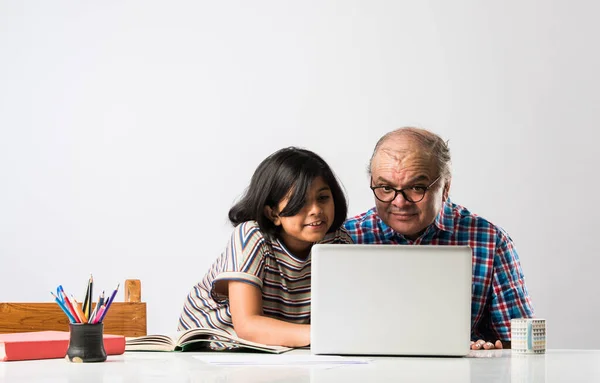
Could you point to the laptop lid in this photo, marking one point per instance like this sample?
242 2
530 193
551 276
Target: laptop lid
391 299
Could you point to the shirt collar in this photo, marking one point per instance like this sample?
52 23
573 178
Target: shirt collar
388 232
445 219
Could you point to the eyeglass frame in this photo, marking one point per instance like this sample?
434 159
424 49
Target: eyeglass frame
401 191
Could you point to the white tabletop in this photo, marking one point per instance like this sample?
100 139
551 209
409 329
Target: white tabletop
481 366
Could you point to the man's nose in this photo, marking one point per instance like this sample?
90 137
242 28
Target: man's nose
400 201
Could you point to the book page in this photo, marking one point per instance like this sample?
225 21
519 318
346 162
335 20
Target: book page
198 334
185 337
150 343
151 339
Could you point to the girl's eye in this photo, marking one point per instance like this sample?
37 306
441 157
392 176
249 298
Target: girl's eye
324 197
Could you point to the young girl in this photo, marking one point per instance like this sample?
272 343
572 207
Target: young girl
259 288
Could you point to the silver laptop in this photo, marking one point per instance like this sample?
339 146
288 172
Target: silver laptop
391 300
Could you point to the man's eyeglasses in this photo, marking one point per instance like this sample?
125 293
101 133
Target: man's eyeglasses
412 194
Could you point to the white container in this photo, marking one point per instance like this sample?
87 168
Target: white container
528 335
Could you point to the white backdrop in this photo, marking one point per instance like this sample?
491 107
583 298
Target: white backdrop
127 130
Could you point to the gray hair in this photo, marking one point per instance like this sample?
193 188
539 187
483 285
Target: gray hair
430 143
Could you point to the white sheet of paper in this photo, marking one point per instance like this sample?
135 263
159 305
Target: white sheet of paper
278 360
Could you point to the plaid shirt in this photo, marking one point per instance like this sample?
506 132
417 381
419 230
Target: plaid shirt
499 292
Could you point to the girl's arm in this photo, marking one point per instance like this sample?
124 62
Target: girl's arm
249 322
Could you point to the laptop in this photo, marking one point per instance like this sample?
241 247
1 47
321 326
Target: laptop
391 300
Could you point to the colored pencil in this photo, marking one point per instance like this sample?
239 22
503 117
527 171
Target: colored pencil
69 305
98 317
98 305
63 308
75 304
91 294
109 303
93 314
83 313
86 306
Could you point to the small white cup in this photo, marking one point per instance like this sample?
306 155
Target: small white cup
528 335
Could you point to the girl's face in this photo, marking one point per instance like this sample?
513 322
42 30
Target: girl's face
311 223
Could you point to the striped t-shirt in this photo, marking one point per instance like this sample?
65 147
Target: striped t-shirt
264 262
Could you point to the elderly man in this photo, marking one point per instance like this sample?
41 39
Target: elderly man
410 178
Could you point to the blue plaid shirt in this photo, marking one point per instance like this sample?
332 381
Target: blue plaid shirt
499 292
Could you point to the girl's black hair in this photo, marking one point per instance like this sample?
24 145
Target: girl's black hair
286 169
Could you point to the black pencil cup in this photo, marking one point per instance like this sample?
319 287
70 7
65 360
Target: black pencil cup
86 343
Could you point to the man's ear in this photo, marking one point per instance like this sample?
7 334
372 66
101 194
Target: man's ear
272 215
446 192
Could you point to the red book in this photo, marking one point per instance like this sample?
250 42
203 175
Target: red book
48 345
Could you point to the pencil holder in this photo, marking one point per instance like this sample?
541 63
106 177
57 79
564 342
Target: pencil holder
86 343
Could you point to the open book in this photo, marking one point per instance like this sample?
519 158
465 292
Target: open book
195 339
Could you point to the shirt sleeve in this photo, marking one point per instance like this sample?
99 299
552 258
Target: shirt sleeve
339 236
244 260
510 298
342 236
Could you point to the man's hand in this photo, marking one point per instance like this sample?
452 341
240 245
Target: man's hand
483 345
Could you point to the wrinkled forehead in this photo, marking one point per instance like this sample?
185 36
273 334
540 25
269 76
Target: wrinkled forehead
399 156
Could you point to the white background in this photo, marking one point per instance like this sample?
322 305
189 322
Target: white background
128 129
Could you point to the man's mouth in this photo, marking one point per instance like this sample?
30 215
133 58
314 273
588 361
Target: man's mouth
402 214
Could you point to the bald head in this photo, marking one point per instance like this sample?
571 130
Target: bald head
411 144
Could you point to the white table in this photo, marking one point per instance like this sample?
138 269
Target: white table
482 366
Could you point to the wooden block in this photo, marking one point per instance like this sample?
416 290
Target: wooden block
126 318
25 317
123 318
133 290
